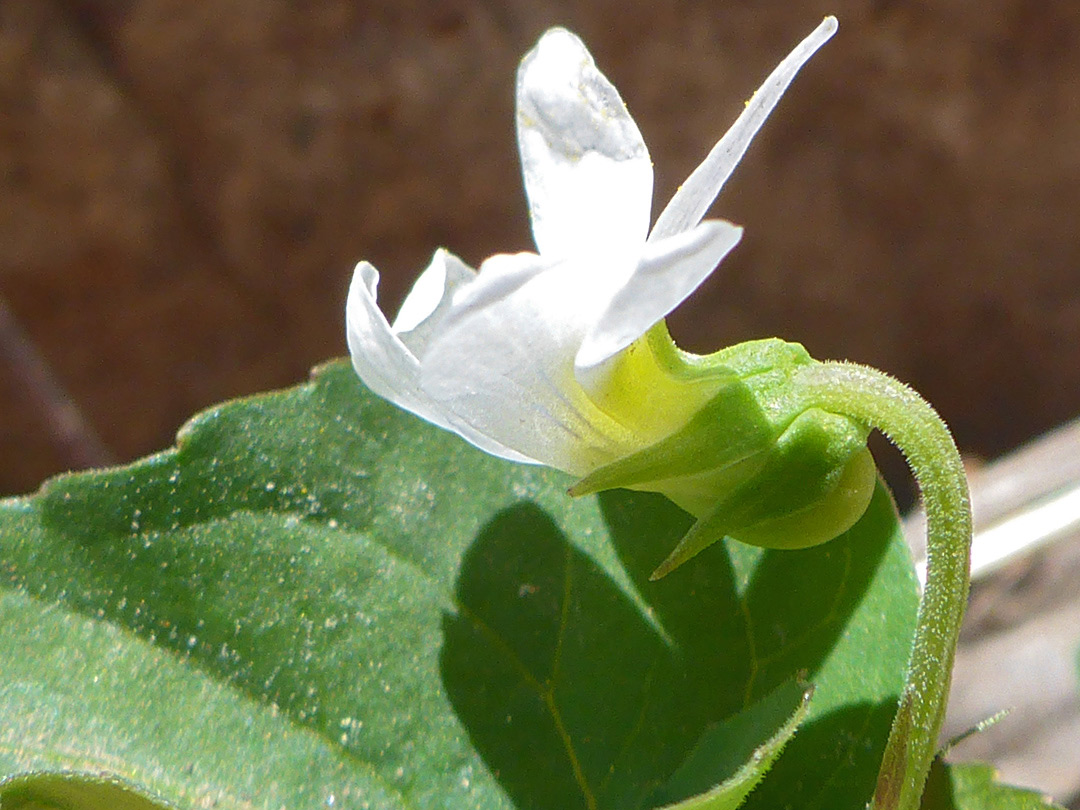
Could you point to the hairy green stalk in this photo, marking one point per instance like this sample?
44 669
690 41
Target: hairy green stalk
888 405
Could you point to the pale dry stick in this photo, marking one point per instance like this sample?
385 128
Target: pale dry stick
70 432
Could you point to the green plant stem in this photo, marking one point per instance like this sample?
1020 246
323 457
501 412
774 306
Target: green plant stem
883 403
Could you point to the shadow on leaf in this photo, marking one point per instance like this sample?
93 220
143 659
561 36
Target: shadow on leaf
584 685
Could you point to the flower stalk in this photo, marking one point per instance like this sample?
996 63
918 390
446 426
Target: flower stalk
885 404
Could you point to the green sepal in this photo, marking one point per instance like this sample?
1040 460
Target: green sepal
755 462
730 429
694 464
815 484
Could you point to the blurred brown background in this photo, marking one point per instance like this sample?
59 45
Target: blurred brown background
185 187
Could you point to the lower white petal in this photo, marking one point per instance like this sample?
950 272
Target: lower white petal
503 362
383 362
669 271
389 369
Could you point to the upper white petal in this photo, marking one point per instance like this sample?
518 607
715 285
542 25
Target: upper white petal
587 172
669 271
503 361
695 196
391 370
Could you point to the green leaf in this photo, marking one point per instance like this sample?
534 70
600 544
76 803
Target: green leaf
974 786
730 758
318 600
61 791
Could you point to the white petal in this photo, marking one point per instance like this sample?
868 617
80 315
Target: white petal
429 299
390 370
443 275
383 362
587 172
503 362
695 196
670 269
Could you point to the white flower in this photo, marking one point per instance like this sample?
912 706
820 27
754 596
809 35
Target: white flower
561 357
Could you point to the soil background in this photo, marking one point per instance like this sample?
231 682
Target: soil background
185 187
